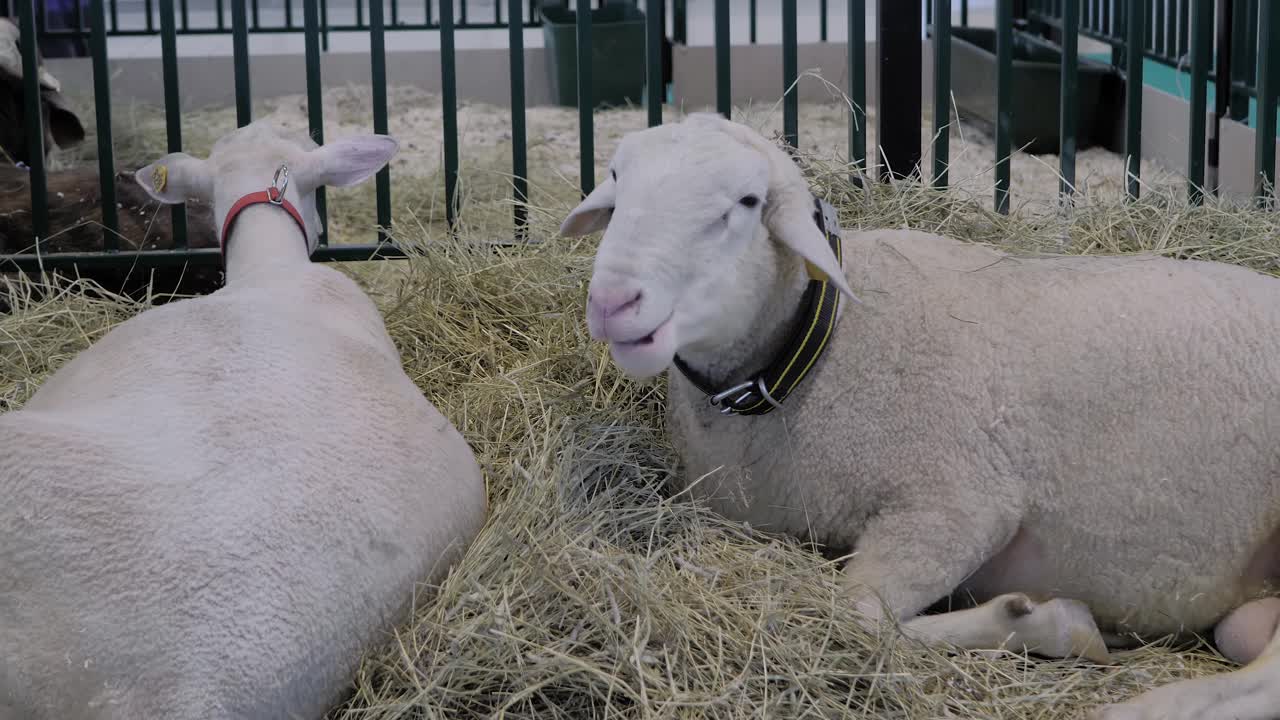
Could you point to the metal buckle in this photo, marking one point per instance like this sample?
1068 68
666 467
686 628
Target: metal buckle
751 386
719 397
279 184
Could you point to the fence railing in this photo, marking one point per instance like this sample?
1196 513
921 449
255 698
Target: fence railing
896 68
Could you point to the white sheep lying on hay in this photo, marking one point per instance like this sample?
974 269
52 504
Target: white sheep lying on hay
215 509
1056 436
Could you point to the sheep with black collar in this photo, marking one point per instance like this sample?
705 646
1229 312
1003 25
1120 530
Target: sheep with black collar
1070 439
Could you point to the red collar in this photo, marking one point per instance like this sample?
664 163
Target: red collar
270 196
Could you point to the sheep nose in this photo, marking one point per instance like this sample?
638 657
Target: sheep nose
605 303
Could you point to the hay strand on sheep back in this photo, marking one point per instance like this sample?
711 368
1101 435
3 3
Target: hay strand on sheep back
594 591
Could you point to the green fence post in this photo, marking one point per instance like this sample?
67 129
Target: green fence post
519 159
724 98
1004 101
653 61
790 74
586 99
33 112
857 60
102 107
315 101
941 91
1135 25
378 67
172 109
1201 45
1069 102
448 82
1264 166
240 53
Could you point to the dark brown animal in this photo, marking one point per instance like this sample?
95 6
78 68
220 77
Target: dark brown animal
61 127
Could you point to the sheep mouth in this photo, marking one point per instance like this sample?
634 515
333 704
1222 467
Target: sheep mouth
646 339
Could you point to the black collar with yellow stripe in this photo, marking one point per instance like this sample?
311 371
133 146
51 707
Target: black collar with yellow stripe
766 390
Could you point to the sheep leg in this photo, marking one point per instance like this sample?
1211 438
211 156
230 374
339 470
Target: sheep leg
1250 693
900 566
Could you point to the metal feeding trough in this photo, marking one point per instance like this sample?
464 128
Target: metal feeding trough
1037 72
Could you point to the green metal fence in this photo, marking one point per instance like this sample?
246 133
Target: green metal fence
939 12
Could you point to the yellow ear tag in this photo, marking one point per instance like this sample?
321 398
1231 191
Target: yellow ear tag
814 272
160 178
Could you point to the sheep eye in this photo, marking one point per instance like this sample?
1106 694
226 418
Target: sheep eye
750 201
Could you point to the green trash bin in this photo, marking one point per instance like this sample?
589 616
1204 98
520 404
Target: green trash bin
617 54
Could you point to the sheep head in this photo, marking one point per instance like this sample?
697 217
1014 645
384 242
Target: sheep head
246 160
693 214
62 127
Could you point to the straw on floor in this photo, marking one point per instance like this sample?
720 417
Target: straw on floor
595 591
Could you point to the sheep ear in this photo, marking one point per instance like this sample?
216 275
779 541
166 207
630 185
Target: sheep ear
349 161
794 226
175 178
593 213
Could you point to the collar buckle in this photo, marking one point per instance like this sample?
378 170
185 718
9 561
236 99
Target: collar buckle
279 183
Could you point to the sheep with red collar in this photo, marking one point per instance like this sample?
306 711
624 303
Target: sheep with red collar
1084 444
216 508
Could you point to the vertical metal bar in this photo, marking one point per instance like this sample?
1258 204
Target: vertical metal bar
586 99
1201 46
653 60
186 15
448 82
102 106
822 20
463 6
1158 41
427 9
790 74
172 109
32 112
857 59
519 159
240 53
1264 166
324 25
255 14
680 23
753 20
1183 23
315 103
378 66
724 98
1069 101
964 13
220 11
395 12
899 68
1223 95
1134 26
115 16
288 13
1241 60
941 91
359 13
1004 101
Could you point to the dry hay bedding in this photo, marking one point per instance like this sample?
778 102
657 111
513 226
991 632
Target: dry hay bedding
593 592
